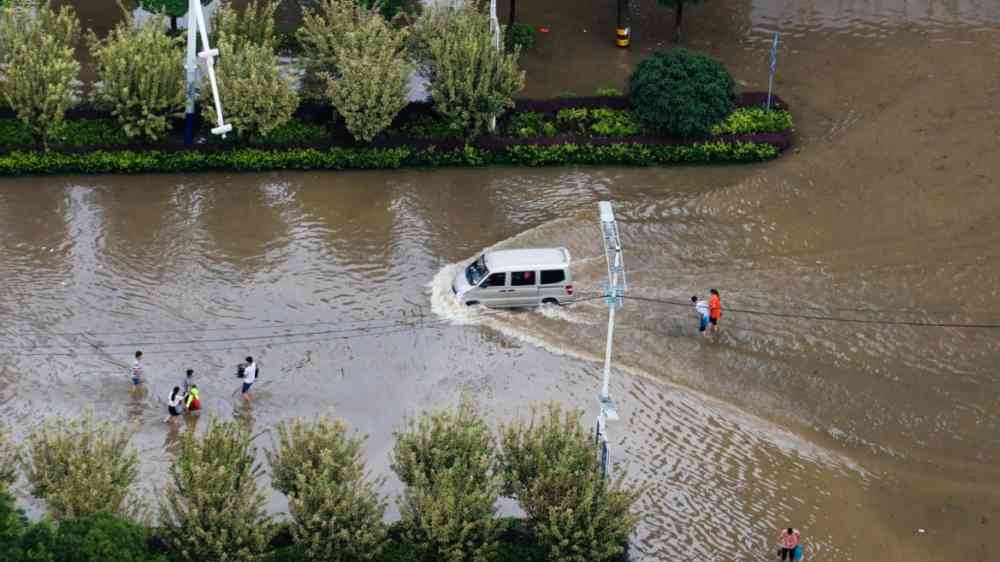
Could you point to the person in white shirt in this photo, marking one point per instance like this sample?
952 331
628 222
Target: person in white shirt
701 307
174 401
136 371
249 376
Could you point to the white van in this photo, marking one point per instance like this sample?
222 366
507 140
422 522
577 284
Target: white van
516 278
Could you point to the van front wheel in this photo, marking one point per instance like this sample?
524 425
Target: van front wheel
550 301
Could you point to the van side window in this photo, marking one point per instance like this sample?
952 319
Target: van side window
522 278
553 276
496 280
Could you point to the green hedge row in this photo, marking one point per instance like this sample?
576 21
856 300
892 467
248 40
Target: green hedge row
255 159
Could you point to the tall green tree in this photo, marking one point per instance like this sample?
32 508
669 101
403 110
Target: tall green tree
373 77
470 79
257 97
550 466
335 505
447 460
213 509
141 75
39 66
81 467
678 6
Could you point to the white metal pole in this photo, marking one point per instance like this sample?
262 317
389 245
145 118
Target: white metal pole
607 350
209 55
191 66
495 27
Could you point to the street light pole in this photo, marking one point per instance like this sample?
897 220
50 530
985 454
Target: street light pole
196 24
615 296
495 27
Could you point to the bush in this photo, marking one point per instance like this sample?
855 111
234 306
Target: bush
374 76
608 92
527 124
82 467
338 158
747 120
10 456
101 538
390 9
424 127
296 132
601 122
520 37
212 509
336 509
141 76
13 524
681 92
324 30
470 81
254 25
447 461
258 99
550 465
37 48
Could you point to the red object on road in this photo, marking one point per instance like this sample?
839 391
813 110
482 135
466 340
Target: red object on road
543 30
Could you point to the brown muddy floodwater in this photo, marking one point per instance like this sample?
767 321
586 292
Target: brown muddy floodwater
859 433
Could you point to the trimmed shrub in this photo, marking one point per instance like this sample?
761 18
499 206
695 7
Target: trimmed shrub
296 132
82 467
601 122
336 508
681 92
520 37
470 80
424 127
550 465
37 50
374 76
754 120
212 509
339 158
447 461
141 76
527 124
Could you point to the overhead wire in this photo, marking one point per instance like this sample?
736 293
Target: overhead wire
827 318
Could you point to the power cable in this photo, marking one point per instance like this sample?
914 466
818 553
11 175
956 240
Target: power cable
882 322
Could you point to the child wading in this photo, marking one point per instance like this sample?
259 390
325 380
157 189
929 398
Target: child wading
714 310
701 307
174 405
137 370
193 400
790 548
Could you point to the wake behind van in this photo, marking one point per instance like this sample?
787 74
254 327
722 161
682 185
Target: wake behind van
516 278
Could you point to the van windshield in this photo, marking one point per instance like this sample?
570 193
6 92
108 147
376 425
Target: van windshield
476 271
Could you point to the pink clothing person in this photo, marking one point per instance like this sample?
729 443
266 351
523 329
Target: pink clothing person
789 540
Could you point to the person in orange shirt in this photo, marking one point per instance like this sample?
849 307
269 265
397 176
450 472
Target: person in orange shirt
714 310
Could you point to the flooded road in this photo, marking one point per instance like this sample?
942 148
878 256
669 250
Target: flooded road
822 404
